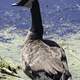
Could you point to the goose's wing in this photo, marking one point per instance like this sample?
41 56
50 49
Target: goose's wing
48 61
40 56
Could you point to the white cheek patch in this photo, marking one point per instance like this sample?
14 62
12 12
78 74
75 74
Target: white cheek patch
29 4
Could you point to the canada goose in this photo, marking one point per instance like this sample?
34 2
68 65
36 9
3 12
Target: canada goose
42 59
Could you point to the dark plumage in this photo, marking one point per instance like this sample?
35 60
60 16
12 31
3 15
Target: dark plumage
42 59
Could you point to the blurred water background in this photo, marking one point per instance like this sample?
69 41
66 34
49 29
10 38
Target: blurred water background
61 20
61 16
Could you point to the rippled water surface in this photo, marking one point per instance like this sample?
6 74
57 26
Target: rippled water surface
61 17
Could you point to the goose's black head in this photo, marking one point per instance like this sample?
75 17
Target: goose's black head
26 3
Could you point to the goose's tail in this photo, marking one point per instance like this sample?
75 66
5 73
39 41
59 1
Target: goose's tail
45 76
50 76
66 76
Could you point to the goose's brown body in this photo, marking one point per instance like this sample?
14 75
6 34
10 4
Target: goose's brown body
40 56
44 56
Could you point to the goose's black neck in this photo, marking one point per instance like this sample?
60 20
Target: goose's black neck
37 28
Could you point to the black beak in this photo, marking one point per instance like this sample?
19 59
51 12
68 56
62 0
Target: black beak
21 3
